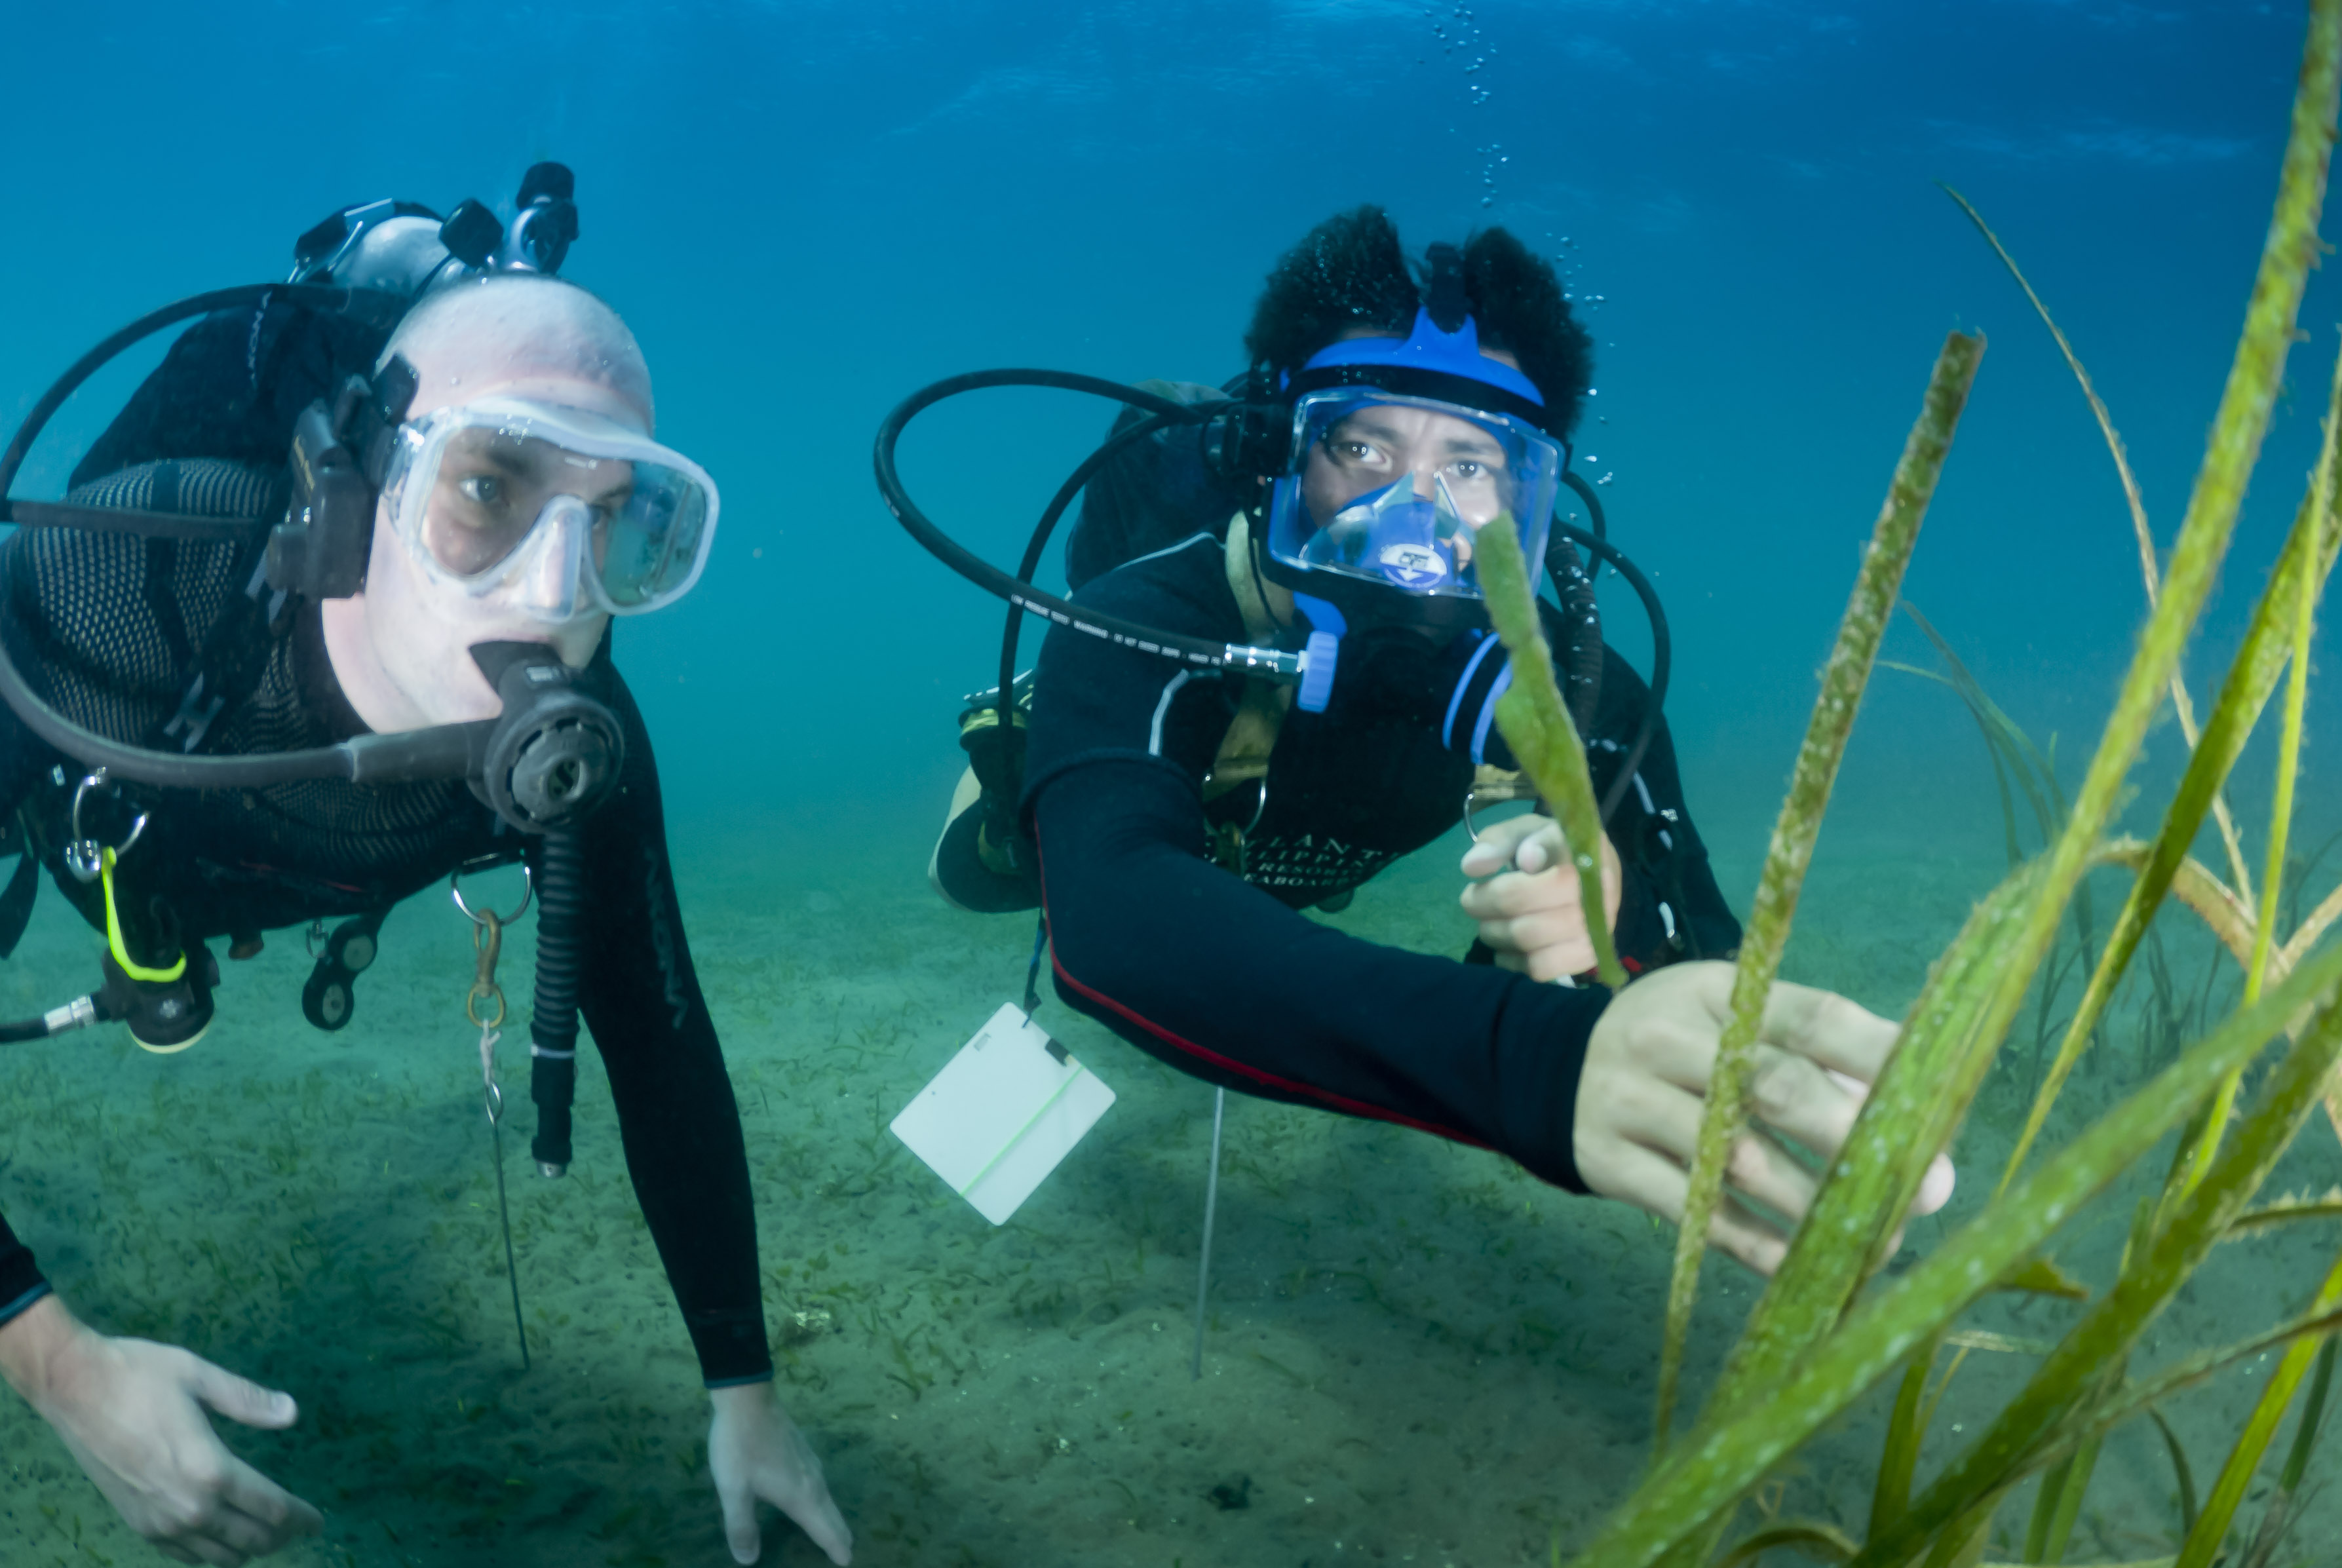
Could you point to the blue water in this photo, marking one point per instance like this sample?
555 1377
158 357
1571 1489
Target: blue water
806 211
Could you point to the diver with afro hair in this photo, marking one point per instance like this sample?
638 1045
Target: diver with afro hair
1350 275
1174 820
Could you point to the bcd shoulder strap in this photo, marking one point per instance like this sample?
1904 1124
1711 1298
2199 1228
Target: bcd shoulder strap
1251 737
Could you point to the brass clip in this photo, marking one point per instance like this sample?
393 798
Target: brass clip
487 941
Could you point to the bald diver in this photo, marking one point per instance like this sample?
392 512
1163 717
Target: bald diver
386 661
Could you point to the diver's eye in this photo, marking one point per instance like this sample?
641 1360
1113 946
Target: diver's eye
1353 451
482 489
1469 469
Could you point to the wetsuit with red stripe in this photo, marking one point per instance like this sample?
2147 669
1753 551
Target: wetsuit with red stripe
1220 974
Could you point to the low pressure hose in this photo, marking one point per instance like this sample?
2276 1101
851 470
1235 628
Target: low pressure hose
1274 663
560 876
79 1013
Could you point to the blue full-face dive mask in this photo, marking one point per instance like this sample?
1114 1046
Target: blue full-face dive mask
1401 453
1393 490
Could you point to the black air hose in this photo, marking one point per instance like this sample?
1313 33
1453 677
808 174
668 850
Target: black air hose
1582 658
560 876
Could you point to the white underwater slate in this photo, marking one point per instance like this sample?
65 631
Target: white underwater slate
1002 1113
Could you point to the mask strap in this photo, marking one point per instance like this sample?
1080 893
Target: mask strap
388 396
1445 296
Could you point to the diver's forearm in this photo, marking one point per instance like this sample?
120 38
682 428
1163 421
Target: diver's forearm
29 1344
689 1161
1222 980
702 1218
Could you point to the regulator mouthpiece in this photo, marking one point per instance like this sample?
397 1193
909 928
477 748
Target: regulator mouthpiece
555 753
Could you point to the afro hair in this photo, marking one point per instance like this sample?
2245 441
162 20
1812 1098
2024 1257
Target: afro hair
1349 275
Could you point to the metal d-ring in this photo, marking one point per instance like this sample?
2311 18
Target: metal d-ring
85 856
1260 807
1472 794
456 891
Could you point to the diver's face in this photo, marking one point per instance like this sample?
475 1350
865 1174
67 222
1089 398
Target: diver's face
485 504
1383 444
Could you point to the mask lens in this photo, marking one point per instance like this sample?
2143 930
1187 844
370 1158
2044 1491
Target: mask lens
495 482
651 545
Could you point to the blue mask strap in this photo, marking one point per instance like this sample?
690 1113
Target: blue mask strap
1320 654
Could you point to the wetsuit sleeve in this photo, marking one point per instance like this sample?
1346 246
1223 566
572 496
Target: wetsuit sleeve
1221 981
21 1284
676 1114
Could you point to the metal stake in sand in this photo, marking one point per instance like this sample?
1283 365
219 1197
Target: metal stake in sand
487 941
1211 1206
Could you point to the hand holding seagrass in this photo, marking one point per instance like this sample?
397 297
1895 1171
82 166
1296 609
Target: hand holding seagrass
1644 1088
1531 908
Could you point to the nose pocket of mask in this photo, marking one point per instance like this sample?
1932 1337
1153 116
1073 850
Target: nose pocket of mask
553 561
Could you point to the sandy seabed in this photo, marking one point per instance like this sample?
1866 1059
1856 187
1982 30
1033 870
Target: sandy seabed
1415 1353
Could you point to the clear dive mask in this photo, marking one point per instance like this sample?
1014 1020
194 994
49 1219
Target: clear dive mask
565 510
1392 489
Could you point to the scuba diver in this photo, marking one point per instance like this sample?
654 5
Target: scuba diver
215 727
1274 675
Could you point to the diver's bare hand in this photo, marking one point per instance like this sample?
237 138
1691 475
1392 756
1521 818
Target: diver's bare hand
131 1412
1643 1089
1530 909
756 1454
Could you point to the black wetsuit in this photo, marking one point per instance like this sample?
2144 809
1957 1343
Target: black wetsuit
106 626
1220 975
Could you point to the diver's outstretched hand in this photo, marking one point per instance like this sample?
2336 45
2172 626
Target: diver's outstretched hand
1530 908
756 1454
1644 1087
132 1413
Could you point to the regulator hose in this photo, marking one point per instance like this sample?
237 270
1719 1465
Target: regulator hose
448 751
560 875
1076 483
1274 662
1662 654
